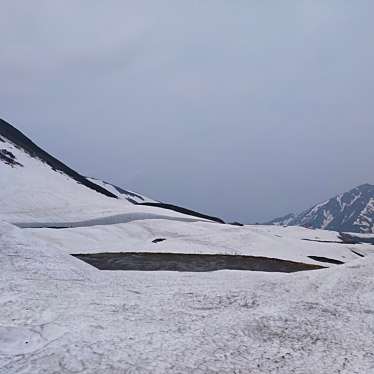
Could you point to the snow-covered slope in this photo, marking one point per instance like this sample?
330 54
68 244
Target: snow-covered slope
10 136
36 187
59 315
352 211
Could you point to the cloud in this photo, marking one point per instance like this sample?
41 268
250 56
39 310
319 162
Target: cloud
245 109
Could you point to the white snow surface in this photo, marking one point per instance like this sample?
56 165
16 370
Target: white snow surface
365 217
328 218
60 315
286 243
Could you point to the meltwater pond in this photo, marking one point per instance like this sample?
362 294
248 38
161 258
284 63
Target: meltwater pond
146 261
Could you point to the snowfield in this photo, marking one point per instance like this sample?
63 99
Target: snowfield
59 315
203 237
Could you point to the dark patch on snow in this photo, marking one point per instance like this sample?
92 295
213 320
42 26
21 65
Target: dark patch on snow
8 158
8 154
22 142
128 193
132 201
130 196
236 224
190 262
158 240
326 259
322 241
352 239
184 211
348 239
56 227
356 253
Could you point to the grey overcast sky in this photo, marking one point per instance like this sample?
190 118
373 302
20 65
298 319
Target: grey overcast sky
245 109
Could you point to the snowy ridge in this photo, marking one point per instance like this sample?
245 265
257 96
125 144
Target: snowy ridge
9 134
34 190
121 193
352 211
36 187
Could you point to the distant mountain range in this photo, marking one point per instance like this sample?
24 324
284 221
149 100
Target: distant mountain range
352 211
35 181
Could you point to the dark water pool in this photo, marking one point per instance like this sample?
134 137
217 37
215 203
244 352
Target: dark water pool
190 262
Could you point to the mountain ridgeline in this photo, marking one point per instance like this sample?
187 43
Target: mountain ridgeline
13 141
352 211
9 132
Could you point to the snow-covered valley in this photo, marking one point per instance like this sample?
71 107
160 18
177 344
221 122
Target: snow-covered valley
62 315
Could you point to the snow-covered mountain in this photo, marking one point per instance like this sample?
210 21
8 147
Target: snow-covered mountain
35 186
60 314
352 211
